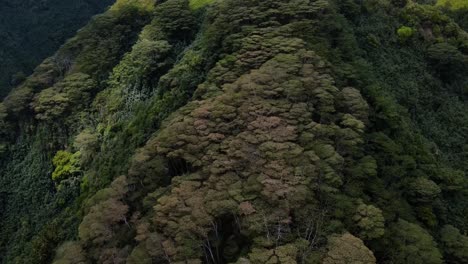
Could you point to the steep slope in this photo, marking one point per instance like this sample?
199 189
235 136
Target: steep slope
32 30
29 199
227 131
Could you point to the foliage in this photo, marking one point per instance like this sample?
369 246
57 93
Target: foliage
49 104
196 4
48 23
455 245
146 5
404 33
347 248
455 4
70 253
175 20
411 243
98 47
423 190
446 57
66 165
70 94
27 226
242 132
370 222
138 72
87 144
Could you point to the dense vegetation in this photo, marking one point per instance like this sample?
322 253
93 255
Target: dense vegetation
32 30
243 131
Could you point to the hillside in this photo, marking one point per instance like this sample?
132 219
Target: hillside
243 131
33 30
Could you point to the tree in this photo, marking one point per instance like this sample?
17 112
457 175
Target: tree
140 255
175 19
410 243
346 248
70 252
87 143
18 100
365 168
50 104
369 221
455 4
451 179
66 165
138 73
447 59
196 4
69 94
422 190
146 5
77 87
404 33
117 190
351 101
99 46
454 244
97 226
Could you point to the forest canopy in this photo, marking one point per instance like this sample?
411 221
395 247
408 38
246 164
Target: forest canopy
243 132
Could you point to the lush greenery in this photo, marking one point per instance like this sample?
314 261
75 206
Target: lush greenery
243 131
456 4
32 30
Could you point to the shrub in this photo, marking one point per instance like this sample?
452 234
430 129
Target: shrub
66 165
404 33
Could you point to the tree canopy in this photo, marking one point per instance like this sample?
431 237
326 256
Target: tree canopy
242 131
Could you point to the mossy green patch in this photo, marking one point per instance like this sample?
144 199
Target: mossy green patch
196 4
454 4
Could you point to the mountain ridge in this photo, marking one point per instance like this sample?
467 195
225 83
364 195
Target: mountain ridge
302 131
32 31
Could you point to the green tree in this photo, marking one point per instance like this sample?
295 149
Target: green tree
50 104
410 243
451 179
352 102
405 33
422 190
369 221
87 144
454 244
447 59
66 165
18 100
78 88
175 20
